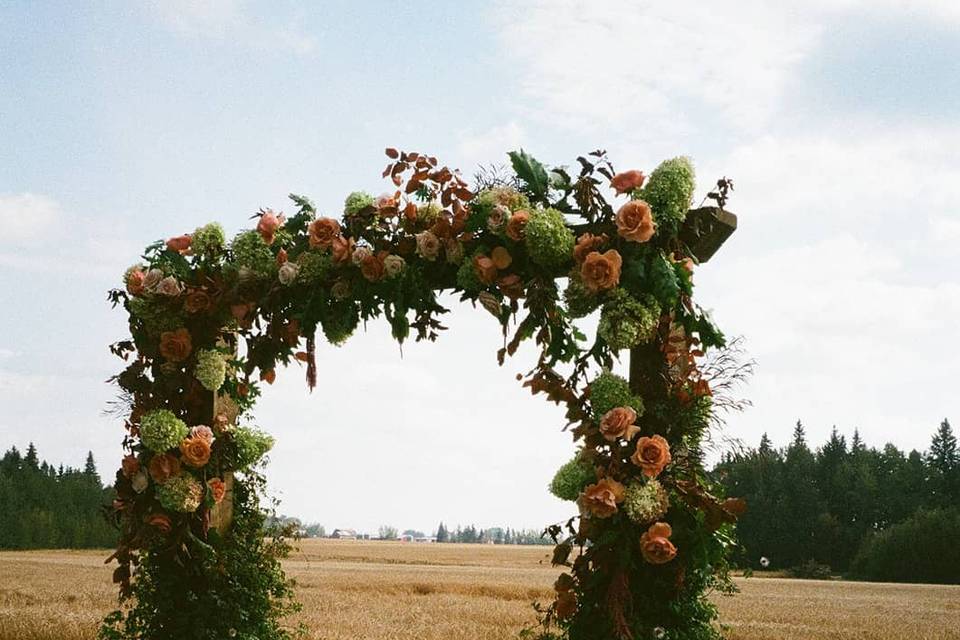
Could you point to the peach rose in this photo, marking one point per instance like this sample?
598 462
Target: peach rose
511 285
428 245
135 281
218 488
202 431
655 544
160 522
601 499
169 286
372 268
618 423
179 244
152 279
385 201
501 257
342 249
601 271
587 243
197 301
497 217
282 257
323 231
268 225
635 221
627 181
176 346
484 269
129 466
517 225
195 451
163 467
566 604
652 455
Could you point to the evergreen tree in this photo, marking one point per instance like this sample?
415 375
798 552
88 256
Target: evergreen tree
943 466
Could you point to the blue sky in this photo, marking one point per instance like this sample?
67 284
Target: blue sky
125 122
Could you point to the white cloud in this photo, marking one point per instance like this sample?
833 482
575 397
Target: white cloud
26 217
230 20
475 149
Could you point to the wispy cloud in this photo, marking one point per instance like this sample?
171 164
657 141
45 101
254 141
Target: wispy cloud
26 217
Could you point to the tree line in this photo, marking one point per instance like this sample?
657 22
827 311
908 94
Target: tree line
42 506
855 509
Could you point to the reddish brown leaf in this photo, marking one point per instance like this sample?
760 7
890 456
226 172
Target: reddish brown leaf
392 153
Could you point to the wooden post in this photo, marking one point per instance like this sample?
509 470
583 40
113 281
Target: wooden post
221 515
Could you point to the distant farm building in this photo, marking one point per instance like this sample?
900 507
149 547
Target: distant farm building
344 534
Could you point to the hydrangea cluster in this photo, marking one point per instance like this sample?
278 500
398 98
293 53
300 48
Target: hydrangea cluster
161 430
211 369
208 240
155 314
507 196
250 251
314 267
356 202
549 240
251 445
627 322
467 276
669 191
427 214
182 493
645 501
571 478
340 321
580 301
609 391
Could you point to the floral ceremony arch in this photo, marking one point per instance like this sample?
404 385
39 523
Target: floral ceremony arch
211 321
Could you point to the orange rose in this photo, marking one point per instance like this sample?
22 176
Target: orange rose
511 285
135 282
627 181
601 271
618 423
517 225
176 346
564 582
652 455
655 544
635 221
218 488
601 499
197 301
501 257
160 522
130 466
268 225
372 268
179 244
586 243
163 467
323 231
195 451
485 269
566 604
342 249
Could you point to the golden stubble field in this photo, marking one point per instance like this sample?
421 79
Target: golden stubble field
395 591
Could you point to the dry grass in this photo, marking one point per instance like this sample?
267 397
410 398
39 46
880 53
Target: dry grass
393 591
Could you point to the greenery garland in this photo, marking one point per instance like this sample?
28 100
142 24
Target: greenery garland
649 540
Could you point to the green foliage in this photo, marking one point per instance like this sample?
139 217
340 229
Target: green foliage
357 201
571 478
156 314
627 322
609 391
251 252
161 430
663 281
531 172
669 192
235 588
549 239
922 548
315 267
467 277
340 321
811 570
251 445
208 240
579 300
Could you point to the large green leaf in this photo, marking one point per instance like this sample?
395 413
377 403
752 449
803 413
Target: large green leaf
532 172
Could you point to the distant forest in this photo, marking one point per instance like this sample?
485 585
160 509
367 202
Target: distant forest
878 514
42 506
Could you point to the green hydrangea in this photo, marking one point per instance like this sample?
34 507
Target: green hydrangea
340 321
669 192
211 369
314 267
357 201
508 196
467 277
427 214
250 251
251 445
549 240
571 479
645 502
580 301
182 493
161 430
156 314
627 322
208 240
608 391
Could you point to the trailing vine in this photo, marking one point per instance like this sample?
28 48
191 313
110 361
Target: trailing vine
212 322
